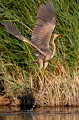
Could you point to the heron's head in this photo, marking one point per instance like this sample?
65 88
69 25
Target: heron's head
55 36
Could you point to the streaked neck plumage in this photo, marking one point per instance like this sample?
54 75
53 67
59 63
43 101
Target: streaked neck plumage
53 48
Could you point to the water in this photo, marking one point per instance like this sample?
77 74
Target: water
67 113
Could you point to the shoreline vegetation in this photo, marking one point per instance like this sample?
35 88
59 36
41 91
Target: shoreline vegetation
58 85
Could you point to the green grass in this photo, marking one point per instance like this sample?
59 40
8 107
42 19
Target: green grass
68 23
16 58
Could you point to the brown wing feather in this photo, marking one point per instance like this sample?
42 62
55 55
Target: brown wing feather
12 28
44 26
14 31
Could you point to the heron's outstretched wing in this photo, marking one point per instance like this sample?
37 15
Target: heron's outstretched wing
11 28
44 26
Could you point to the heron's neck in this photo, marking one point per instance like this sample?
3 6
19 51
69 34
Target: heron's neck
53 49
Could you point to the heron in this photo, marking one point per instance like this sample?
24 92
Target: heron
41 34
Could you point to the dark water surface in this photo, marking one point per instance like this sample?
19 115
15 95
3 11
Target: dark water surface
67 113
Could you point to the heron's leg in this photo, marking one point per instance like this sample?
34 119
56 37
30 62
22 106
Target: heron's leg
45 64
40 62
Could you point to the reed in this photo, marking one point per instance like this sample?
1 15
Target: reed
58 84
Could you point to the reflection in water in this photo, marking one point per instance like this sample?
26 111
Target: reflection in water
57 117
24 116
43 114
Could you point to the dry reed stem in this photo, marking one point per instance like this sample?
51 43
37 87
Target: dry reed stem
49 89
60 90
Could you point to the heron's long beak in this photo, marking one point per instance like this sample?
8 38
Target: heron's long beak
57 35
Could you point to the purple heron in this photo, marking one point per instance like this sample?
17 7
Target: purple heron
41 34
